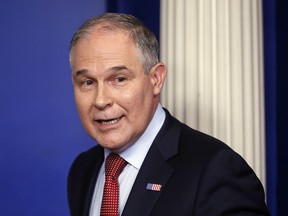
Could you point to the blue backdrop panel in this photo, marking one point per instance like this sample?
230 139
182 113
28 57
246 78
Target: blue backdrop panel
276 106
269 11
147 11
282 105
40 133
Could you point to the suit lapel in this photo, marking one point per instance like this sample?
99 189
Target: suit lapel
155 170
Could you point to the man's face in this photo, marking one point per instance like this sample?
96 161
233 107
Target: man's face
115 99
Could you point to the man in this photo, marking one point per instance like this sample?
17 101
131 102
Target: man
170 169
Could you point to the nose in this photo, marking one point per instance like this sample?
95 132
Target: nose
103 98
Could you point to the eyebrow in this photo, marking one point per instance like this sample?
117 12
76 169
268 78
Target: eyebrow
111 69
81 72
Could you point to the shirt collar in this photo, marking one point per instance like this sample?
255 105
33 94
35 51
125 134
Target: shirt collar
136 153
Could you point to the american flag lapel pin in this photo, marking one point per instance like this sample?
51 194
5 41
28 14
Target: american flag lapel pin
153 187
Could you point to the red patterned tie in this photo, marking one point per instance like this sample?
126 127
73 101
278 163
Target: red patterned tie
113 167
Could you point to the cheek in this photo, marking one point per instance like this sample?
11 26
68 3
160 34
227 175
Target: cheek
137 102
83 103
133 98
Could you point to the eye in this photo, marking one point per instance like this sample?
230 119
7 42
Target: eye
88 82
120 79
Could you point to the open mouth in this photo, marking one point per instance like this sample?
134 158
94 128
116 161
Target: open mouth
109 121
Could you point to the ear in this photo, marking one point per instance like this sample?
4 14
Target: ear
157 76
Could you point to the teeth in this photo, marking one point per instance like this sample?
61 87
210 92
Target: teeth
110 121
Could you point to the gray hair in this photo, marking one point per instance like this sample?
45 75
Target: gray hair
144 39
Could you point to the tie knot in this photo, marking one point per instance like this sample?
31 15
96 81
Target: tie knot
114 165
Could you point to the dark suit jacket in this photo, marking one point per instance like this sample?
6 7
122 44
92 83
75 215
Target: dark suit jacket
199 175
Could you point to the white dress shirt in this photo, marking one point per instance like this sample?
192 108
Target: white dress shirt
134 156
